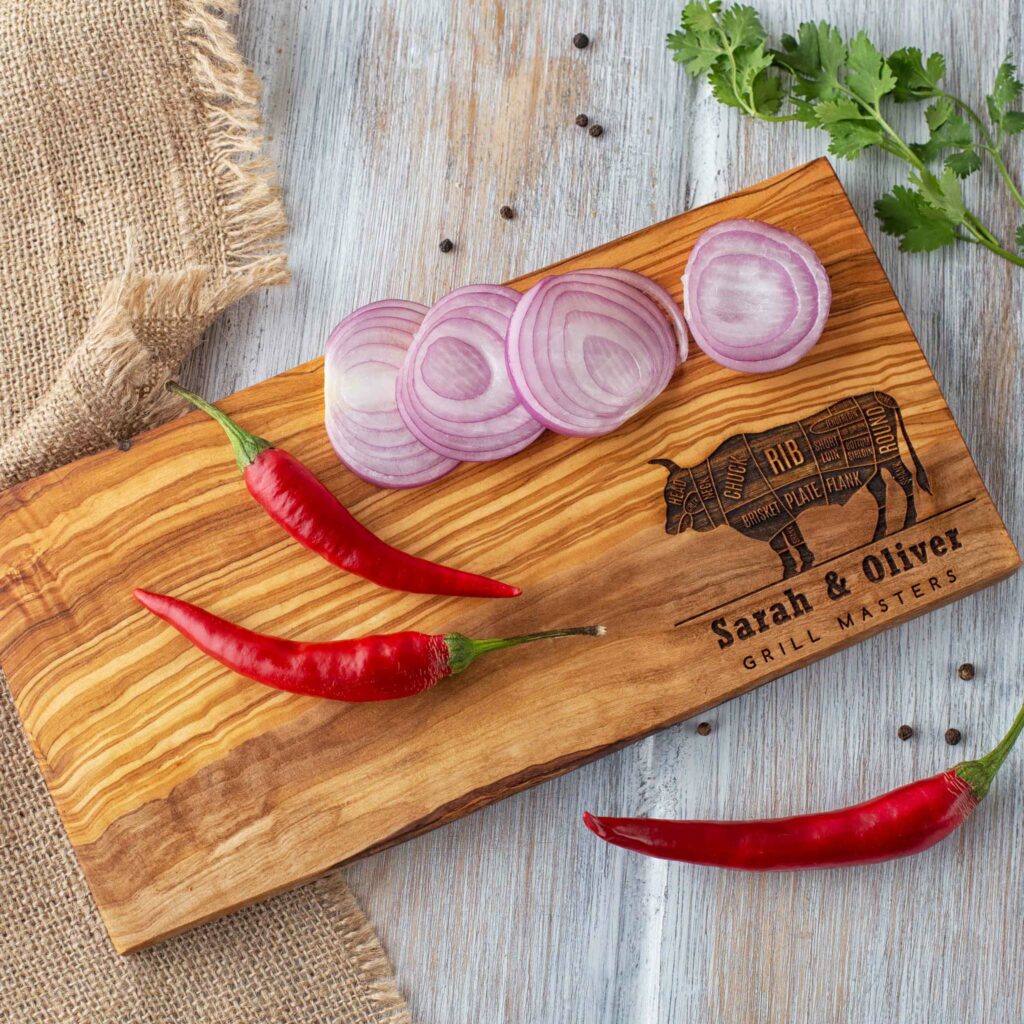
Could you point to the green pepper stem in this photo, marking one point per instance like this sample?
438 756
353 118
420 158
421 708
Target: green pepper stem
246 446
463 650
979 774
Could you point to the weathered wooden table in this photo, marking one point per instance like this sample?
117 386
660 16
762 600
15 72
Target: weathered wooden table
401 122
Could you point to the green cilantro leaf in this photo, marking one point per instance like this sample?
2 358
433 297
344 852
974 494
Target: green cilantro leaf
963 163
697 45
720 78
915 78
1006 89
955 132
867 75
694 51
938 113
952 133
742 26
700 17
815 58
803 53
767 93
849 138
806 113
750 66
920 227
1013 122
729 47
850 131
831 112
943 193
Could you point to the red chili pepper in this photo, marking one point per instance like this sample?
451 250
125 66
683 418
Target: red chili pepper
370 668
298 502
905 821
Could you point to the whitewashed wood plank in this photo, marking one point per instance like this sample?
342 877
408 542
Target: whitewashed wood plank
400 122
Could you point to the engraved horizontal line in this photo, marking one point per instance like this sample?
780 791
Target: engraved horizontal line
827 561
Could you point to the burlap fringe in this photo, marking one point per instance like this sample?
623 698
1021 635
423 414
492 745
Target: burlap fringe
230 91
146 324
371 964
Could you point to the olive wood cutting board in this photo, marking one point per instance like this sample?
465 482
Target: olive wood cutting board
188 791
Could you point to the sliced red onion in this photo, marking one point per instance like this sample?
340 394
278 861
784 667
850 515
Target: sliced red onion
453 390
665 302
361 362
756 297
588 349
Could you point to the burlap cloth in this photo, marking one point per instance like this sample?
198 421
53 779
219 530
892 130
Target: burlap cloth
134 209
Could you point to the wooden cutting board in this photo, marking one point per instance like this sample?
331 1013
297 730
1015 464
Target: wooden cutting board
188 791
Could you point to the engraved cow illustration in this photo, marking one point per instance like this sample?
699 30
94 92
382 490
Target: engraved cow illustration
760 483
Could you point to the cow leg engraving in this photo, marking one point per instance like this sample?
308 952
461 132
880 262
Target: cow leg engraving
876 485
902 476
781 548
795 537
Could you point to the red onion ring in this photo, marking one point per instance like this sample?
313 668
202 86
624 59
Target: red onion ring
362 359
588 349
653 290
756 297
453 390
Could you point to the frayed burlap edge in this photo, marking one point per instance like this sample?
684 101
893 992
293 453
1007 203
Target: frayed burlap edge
250 201
367 957
146 324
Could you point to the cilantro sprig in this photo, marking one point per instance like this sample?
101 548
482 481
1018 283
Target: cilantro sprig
842 87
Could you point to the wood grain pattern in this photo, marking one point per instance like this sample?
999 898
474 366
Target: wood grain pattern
188 792
515 915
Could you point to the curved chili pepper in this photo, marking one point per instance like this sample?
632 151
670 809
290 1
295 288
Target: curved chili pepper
905 821
371 668
299 503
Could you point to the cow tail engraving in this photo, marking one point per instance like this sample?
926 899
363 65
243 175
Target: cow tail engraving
919 471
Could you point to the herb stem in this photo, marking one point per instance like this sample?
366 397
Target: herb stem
895 145
1011 257
990 145
899 148
981 229
774 118
981 234
733 73
972 115
904 150
995 247
1005 174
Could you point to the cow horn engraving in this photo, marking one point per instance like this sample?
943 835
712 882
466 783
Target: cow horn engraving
667 463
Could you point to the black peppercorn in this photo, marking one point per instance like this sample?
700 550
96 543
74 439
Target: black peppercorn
966 671
704 728
596 130
581 40
446 245
953 737
582 120
904 732
507 212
